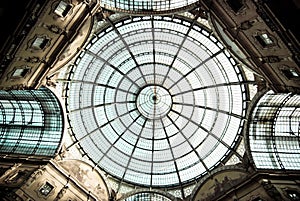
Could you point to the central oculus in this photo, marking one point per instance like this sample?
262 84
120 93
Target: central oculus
154 102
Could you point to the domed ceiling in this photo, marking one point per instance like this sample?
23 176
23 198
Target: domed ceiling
156 101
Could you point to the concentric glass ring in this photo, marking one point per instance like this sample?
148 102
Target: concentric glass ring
156 101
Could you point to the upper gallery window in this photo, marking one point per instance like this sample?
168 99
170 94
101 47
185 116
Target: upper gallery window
293 195
236 5
46 189
40 42
290 73
62 9
20 72
265 40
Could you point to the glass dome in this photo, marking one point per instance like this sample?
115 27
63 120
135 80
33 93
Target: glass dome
156 101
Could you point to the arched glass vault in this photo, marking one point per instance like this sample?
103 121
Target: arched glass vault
31 124
156 101
274 140
146 196
147 6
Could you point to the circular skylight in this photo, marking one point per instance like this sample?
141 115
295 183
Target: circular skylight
156 101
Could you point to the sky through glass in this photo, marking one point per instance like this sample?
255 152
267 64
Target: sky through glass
156 101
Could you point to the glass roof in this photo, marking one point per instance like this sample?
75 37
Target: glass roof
147 196
146 6
274 132
156 101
